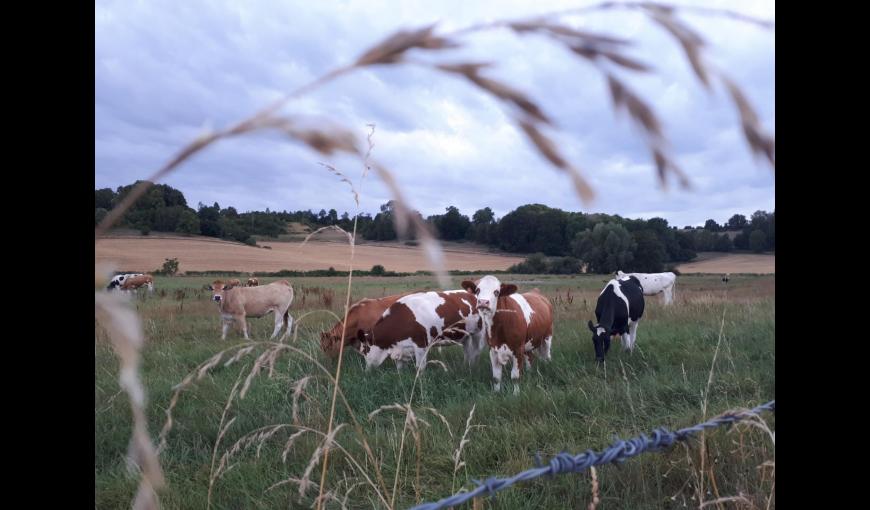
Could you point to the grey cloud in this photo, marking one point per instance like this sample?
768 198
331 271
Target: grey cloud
162 70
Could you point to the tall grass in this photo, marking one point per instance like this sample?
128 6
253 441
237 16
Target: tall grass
540 419
565 405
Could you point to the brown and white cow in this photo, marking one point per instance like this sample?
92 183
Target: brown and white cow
134 282
252 282
236 303
362 316
515 325
415 321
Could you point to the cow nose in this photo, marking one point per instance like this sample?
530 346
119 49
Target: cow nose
217 298
484 303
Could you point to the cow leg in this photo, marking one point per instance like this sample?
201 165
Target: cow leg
279 321
528 349
225 325
544 348
244 323
420 356
632 328
375 357
518 357
669 295
472 350
496 369
399 364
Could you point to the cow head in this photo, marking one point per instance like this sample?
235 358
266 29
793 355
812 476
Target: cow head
219 288
330 341
365 342
487 290
601 341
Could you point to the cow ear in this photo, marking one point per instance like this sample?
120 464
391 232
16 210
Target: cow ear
469 286
210 287
507 289
591 327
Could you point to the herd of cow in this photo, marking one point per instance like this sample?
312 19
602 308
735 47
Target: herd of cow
515 326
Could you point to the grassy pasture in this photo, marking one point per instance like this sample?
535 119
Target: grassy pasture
569 404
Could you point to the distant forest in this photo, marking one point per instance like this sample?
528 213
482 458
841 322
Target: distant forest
560 241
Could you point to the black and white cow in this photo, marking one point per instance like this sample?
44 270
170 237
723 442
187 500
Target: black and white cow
620 307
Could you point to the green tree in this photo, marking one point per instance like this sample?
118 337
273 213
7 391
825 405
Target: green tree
723 243
649 252
757 241
188 222
103 198
606 248
737 222
712 226
170 267
452 225
378 269
99 214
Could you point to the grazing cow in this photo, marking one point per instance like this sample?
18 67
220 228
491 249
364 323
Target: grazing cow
415 321
361 317
519 325
235 282
726 278
252 282
620 307
654 283
119 279
132 283
236 303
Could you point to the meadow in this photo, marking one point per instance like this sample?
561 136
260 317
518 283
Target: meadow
239 440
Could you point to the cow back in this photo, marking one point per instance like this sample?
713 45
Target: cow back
424 317
257 301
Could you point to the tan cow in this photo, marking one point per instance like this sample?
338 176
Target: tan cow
362 316
520 324
235 282
252 282
134 282
236 303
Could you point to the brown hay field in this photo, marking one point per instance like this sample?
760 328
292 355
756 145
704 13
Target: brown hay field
148 254
730 263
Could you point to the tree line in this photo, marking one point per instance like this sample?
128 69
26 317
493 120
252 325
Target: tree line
561 241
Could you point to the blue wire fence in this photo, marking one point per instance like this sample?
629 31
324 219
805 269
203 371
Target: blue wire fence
618 452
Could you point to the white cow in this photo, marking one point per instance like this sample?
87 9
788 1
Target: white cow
654 283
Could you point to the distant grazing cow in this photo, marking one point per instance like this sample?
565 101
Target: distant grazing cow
235 282
117 280
415 321
620 307
236 303
361 317
519 325
726 278
252 282
132 283
654 283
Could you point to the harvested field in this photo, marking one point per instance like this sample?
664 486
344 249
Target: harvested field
144 254
731 263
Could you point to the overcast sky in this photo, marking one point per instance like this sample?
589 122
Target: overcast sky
165 71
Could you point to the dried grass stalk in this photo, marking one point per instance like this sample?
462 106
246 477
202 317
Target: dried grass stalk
125 332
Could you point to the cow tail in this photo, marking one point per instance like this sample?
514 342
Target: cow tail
288 320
